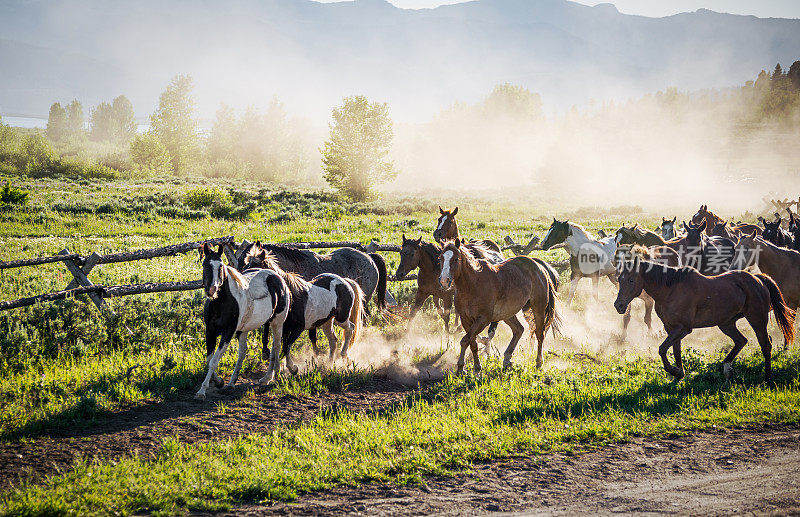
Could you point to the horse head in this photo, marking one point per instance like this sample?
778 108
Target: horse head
450 263
446 227
409 256
559 232
213 270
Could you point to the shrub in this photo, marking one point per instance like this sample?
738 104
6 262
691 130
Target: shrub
207 197
13 195
36 153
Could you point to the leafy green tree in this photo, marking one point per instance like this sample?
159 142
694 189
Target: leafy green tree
38 153
124 119
355 157
174 124
149 156
777 74
223 138
75 119
101 123
56 122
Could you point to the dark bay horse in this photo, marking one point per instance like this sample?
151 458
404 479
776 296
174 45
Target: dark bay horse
416 253
487 292
686 300
636 235
709 255
774 233
669 228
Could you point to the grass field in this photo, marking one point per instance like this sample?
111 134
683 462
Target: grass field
64 366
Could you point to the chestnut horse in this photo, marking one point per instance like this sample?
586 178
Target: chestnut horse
711 219
447 230
487 292
415 253
686 300
779 263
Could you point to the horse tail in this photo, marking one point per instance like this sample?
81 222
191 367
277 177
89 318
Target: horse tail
551 271
357 310
382 279
783 314
538 267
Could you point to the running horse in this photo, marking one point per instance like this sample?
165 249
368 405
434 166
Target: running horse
487 292
686 300
416 253
711 219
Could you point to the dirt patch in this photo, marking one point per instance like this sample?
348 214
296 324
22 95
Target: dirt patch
142 429
755 470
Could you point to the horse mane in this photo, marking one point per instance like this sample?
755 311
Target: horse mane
472 260
660 274
432 250
478 250
576 226
293 280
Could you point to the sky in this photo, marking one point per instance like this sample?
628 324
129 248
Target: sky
760 8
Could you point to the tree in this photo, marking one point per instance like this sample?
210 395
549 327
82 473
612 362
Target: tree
355 156
124 119
777 74
174 124
222 139
75 118
101 123
794 75
56 122
149 156
514 102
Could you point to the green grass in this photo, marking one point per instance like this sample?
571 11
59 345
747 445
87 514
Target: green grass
438 431
65 365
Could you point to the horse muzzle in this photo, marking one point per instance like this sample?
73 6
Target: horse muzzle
211 292
437 235
620 306
445 283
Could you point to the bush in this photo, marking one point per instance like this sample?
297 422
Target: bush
14 196
36 153
207 197
149 156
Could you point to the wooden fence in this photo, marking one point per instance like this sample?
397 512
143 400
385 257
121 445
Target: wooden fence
80 266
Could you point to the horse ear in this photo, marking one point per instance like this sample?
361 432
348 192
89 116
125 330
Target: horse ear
754 234
685 227
702 227
663 220
404 238
202 249
455 211
441 210
220 249
674 219
458 243
704 207
419 241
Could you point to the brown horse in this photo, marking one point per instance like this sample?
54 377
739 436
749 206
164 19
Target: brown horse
711 219
641 236
415 253
779 263
686 300
447 230
487 292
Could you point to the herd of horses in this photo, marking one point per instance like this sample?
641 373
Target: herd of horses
696 276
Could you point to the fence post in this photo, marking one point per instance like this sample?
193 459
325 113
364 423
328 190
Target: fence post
81 279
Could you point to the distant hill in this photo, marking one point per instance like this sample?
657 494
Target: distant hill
311 54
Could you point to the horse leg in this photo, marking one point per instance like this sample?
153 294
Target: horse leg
648 310
739 341
447 307
213 362
274 368
674 338
626 319
239 360
487 341
419 299
596 287
211 344
333 341
468 341
759 324
516 333
573 286
265 343
348 328
535 317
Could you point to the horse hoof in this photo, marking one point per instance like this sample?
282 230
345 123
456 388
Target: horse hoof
727 370
227 390
218 382
295 370
200 397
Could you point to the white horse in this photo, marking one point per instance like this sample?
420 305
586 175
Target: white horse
237 303
588 255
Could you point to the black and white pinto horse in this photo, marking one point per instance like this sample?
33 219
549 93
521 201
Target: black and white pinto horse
235 304
368 270
326 300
